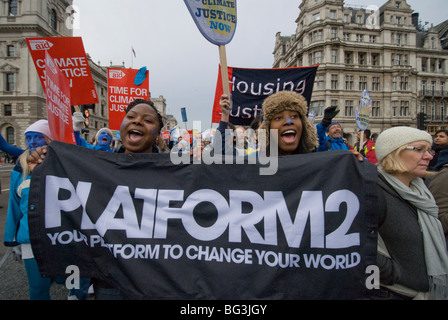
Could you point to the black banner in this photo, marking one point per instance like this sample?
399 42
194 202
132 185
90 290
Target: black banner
222 231
250 87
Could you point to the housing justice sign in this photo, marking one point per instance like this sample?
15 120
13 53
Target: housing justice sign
161 231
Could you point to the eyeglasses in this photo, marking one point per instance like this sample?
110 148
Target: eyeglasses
419 150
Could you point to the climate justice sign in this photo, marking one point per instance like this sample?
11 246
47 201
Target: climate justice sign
122 91
216 20
306 232
57 90
69 55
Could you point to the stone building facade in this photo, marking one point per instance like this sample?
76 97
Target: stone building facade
388 51
22 99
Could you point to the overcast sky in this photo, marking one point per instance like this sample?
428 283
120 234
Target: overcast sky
182 64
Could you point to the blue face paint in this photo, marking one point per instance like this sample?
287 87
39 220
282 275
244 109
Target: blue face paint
35 140
288 120
104 138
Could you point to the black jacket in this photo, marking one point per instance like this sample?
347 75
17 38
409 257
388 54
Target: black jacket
403 238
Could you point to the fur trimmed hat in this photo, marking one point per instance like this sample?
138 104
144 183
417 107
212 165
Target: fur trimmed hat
393 138
289 100
40 126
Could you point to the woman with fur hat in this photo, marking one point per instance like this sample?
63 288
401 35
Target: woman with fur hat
412 254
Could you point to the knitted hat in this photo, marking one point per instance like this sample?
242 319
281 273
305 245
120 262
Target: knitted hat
332 124
393 138
40 126
108 131
289 100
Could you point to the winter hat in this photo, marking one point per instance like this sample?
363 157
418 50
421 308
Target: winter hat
108 131
393 138
333 124
40 126
289 100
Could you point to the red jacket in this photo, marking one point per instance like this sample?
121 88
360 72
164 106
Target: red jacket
368 151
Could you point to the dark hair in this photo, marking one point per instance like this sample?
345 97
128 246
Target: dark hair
441 130
149 103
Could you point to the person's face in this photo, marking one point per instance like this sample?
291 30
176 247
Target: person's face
335 131
417 160
139 129
35 140
104 138
441 139
289 126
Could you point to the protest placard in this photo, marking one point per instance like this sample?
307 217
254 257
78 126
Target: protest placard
70 57
122 91
57 90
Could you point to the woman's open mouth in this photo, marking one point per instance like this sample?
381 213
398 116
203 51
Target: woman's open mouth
135 136
288 136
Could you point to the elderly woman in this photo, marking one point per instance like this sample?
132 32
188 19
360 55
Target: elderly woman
412 253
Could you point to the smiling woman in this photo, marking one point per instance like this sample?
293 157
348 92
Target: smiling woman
140 128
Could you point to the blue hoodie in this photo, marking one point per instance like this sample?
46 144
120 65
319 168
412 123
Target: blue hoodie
16 227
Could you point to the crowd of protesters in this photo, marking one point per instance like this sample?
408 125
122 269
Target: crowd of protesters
412 211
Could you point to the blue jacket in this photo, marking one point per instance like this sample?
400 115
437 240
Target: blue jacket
9 149
83 143
325 141
16 227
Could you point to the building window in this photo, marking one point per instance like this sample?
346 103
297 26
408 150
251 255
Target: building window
346 36
348 58
12 8
53 19
10 135
372 39
318 107
376 109
334 56
349 82
394 84
319 82
362 83
334 33
8 110
332 14
404 83
349 108
375 84
404 109
375 59
359 38
394 109
362 58
316 16
346 18
9 82
10 51
334 82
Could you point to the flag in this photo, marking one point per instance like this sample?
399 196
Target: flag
133 52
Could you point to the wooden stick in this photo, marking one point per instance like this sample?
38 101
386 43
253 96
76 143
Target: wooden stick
77 109
224 72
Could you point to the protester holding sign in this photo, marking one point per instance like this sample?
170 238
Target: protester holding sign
412 254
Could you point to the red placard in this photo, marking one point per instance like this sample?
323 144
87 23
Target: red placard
57 90
122 91
69 55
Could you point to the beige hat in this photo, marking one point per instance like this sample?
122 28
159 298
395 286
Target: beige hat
393 138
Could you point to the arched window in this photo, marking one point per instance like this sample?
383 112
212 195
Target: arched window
10 135
53 19
13 7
